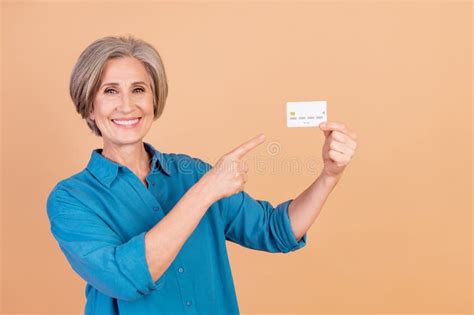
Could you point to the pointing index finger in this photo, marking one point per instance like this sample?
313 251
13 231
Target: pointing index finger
247 146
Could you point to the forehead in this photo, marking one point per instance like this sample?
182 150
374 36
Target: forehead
124 69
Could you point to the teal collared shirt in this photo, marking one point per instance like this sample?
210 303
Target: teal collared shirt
99 218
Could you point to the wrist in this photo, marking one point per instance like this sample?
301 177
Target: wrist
330 179
207 189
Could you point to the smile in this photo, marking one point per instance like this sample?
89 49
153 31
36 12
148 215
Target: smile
127 122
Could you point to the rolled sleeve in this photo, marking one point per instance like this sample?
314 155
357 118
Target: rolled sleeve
97 254
285 224
258 225
131 260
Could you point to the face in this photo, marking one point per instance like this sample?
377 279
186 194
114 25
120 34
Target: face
123 105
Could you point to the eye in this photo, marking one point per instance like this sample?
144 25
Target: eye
109 90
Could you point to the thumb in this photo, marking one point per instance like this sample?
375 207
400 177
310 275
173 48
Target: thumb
326 132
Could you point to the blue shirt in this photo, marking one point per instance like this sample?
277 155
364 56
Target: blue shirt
99 218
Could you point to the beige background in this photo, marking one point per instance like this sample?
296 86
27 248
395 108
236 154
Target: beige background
395 236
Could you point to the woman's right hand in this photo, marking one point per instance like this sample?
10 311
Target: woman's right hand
229 175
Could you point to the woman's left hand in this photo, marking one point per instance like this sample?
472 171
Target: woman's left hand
339 148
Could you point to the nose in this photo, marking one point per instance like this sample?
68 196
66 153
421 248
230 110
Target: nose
126 103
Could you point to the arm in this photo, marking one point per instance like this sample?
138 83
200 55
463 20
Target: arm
165 239
123 270
258 225
306 207
96 252
338 149
251 223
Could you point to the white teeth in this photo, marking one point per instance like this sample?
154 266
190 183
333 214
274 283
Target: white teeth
126 122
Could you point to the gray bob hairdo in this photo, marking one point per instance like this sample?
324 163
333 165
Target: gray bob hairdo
85 78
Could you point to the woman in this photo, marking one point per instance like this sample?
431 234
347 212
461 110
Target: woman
146 230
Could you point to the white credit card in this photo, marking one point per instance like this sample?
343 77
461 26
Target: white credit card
305 114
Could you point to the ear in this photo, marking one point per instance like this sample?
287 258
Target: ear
91 115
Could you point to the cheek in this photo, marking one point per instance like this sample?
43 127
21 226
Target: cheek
149 107
103 109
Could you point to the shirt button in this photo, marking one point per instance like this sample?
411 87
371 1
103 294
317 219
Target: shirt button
189 303
181 269
156 209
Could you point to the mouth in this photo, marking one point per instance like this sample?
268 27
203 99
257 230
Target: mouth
127 123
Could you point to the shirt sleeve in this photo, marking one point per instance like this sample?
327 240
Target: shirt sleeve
116 268
258 225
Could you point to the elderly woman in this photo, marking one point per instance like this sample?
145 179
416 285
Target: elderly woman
147 230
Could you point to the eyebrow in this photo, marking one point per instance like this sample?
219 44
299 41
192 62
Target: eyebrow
116 84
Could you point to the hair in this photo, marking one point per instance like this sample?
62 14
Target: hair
85 78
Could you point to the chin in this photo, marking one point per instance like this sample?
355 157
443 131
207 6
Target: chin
126 139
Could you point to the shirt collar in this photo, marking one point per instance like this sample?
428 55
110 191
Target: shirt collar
106 170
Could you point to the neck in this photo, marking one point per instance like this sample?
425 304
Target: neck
134 156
